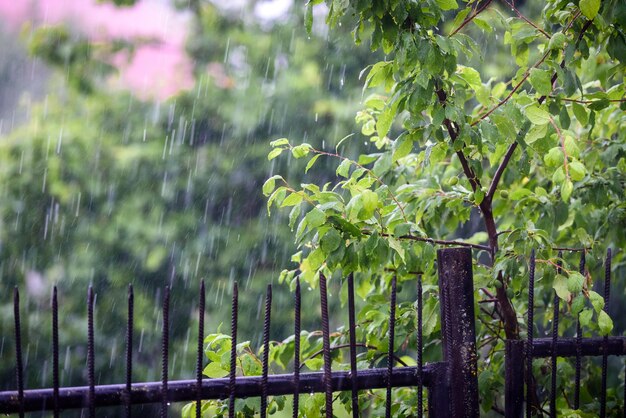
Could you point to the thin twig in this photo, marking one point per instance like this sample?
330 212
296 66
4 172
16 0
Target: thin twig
433 241
471 17
525 19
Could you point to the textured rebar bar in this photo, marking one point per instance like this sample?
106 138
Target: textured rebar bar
19 365
326 347
165 351
296 350
91 375
605 342
420 360
55 352
233 352
555 336
529 343
352 331
448 335
390 352
579 336
129 351
266 349
200 353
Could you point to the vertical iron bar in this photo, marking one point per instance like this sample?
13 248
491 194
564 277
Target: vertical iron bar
129 351
514 383
352 330
420 361
296 349
91 375
555 337
578 341
605 342
529 342
392 334
200 351
266 349
326 347
55 352
233 352
165 351
19 366
456 286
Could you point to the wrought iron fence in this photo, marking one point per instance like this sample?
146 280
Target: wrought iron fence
520 354
442 379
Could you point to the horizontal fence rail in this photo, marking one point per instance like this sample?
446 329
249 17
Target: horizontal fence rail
186 390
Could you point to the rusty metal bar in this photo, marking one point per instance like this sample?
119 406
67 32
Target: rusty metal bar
129 351
233 352
266 349
352 331
326 347
568 347
296 350
19 365
530 330
514 378
200 353
457 293
579 336
605 340
185 390
91 404
420 346
55 353
165 351
390 352
555 336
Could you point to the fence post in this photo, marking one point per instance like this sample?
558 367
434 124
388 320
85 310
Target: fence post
456 289
514 379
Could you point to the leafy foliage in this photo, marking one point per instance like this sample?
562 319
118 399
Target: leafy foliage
537 155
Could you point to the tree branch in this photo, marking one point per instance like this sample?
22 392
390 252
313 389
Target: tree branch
471 17
433 241
513 146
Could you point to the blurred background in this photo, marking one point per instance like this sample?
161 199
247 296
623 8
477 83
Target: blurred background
133 144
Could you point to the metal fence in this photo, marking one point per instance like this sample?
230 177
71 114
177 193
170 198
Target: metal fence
452 384
442 379
519 355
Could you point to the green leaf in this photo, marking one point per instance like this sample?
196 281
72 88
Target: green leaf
308 17
575 282
274 153
585 317
567 187
311 162
292 200
580 113
479 196
397 246
541 80
447 4
330 241
402 147
471 76
214 370
270 184
315 218
589 8
279 142
370 201
344 168
578 304
537 115
577 170
557 41
301 150
596 300
554 157
384 121
605 323
560 287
